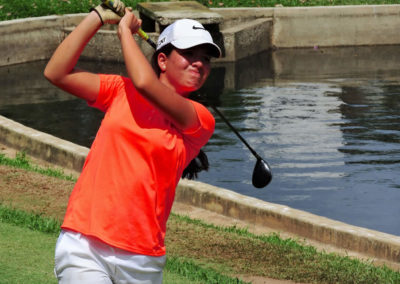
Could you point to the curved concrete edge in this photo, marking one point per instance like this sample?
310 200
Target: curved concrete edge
282 218
222 201
42 145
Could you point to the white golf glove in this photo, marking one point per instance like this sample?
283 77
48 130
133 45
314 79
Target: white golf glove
110 16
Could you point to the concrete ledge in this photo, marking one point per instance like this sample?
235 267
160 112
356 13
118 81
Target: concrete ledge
41 145
254 211
282 218
236 41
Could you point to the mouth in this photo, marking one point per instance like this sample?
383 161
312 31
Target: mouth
195 72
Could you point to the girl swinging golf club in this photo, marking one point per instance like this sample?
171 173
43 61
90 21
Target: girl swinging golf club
115 223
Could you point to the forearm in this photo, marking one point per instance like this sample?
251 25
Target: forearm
139 69
68 52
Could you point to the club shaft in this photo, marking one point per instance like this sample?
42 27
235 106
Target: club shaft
235 131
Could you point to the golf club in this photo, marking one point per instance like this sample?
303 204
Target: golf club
262 174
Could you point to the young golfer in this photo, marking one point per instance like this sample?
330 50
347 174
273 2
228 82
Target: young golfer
115 223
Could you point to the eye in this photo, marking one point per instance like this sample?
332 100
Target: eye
207 58
187 52
195 54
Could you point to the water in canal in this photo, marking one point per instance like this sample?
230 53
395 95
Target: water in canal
326 120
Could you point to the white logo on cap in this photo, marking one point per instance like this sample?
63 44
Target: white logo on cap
198 28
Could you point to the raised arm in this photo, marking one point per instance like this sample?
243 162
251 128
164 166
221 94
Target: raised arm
177 108
61 71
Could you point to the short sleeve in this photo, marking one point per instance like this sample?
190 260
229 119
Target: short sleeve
109 88
197 138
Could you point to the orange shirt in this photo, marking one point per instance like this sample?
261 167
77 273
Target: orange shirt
127 186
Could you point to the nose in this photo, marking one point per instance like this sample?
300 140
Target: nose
197 62
200 61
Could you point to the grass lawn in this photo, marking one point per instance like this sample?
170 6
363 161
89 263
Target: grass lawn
27 256
32 204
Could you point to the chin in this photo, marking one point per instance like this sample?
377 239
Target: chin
192 87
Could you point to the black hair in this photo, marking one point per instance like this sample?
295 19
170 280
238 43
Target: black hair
200 162
167 49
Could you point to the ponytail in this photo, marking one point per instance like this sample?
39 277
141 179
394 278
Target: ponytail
197 165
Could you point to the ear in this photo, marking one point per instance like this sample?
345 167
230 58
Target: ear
162 61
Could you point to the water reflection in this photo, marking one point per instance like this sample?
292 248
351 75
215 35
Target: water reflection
327 121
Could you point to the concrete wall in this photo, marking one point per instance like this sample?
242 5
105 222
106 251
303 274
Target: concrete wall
295 27
336 26
32 39
244 32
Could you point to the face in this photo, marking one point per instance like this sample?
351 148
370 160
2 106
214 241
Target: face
185 70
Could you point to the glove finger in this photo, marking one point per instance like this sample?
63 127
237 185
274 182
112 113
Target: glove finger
119 6
115 4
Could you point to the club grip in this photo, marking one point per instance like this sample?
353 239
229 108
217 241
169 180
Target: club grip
110 5
141 33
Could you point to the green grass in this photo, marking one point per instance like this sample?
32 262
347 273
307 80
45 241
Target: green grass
198 252
289 259
27 256
17 266
29 220
27 243
23 232
188 268
21 161
35 8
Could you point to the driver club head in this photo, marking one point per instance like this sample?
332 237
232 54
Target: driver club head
262 175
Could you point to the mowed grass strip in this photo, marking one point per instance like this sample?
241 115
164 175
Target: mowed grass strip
269 256
27 256
205 248
21 161
31 221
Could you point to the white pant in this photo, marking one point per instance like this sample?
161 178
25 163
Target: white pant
82 259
